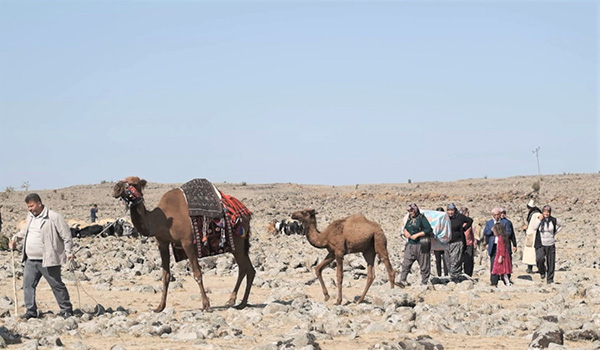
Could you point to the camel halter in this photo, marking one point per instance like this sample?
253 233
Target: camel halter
132 196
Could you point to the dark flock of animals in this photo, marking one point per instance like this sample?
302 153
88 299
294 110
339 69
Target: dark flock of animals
118 228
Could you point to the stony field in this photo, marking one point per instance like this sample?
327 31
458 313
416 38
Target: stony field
115 282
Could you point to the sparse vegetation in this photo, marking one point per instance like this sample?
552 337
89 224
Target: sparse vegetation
244 183
7 191
536 186
409 181
25 186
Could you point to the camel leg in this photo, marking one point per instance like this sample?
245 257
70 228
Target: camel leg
245 269
245 264
370 258
192 254
340 277
242 272
240 277
165 258
381 250
319 270
388 266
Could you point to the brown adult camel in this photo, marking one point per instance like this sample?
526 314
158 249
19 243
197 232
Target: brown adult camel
353 234
170 223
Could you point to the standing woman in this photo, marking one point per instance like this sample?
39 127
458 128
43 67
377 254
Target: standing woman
416 228
468 254
545 248
441 255
534 217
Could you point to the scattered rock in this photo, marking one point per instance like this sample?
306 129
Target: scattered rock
548 333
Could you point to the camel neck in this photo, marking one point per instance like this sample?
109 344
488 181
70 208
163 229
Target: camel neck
315 238
139 219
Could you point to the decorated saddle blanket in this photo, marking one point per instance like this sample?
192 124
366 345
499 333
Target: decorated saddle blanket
234 209
213 236
202 198
215 217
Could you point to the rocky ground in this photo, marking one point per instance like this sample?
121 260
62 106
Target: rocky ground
115 282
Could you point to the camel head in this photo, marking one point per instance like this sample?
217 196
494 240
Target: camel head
305 216
130 190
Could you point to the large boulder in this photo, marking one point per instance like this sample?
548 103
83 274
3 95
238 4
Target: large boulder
547 334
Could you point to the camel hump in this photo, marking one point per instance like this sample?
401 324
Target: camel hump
359 219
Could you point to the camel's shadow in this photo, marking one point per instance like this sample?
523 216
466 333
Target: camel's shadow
445 280
223 307
525 277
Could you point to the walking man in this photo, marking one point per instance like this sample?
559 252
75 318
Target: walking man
94 213
48 245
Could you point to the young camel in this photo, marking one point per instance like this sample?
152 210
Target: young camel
354 234
170 223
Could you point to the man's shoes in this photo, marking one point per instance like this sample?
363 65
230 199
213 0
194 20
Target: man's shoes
543 275
400 284
65 314
529 270
28 315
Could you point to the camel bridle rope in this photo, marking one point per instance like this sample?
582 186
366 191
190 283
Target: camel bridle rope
78 285
132 196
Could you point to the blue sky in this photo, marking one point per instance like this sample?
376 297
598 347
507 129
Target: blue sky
319 92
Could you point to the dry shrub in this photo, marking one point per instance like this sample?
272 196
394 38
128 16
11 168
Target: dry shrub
536 186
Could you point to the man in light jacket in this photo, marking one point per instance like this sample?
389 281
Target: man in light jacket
48 245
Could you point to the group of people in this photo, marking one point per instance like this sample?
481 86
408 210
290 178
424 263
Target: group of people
48 245
457 256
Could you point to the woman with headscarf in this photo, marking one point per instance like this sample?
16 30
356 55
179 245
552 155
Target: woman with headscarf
469 253
417 226
545 248
534 216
